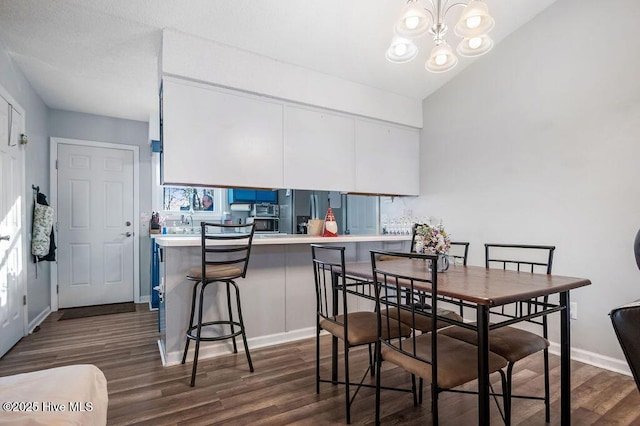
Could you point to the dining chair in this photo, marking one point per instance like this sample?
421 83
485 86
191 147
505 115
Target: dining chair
514 343
223 264
423 323
353 328
625 320
443 361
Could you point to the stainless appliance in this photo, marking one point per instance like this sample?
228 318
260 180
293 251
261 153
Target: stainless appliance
265 210
265 224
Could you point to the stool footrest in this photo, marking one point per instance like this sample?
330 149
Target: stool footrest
215 338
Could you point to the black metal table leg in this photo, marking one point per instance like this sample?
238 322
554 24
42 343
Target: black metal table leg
482 312
565 360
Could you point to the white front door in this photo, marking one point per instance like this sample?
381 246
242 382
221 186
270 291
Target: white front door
11 242
95 225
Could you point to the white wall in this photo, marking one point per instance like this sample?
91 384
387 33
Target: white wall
36 171
539 142
75 125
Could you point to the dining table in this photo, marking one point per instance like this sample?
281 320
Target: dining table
485 289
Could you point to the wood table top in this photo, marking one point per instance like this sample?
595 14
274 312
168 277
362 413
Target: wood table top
492 287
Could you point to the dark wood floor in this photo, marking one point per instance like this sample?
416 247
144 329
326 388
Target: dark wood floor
282 388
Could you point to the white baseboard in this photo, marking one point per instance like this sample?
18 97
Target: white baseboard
226 347
38 320
597 360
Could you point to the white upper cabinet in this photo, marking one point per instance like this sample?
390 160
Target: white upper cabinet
218 138
319 150
387 159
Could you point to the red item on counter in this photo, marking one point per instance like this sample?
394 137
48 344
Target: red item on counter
330 224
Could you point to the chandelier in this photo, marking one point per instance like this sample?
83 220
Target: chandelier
416 20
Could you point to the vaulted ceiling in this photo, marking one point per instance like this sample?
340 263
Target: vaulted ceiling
100 56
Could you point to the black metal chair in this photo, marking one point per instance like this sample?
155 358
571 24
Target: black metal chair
224 261
333 315
513 343
625 320
443 361
423 323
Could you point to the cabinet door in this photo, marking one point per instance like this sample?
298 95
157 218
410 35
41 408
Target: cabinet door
241 195
387 159
318 150
267 196
217 138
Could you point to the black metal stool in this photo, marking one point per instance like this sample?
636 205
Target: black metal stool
221 263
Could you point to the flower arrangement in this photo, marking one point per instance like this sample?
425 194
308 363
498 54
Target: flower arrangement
432 239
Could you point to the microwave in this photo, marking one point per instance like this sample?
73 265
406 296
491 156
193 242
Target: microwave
265 224
265 210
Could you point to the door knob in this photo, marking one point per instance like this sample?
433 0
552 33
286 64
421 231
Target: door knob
5 237
128 223
127 234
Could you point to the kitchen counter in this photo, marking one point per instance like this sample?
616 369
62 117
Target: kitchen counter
278 293
185 240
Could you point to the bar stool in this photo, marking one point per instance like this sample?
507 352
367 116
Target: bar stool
222 262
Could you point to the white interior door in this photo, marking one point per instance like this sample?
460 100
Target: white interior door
95 225
11 241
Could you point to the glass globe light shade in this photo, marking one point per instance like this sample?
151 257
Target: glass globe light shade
441 59
401 50
475 46
474 20
413 21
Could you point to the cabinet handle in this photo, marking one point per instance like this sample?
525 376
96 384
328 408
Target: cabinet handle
5 237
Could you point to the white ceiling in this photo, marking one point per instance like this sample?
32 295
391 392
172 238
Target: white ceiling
100 56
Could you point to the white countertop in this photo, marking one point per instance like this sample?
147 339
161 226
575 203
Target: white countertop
177 240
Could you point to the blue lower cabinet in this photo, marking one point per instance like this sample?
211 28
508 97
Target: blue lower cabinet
155 274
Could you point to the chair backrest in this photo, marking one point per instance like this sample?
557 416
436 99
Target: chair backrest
519 257
330 282
392 284
525 258
235 253
412 249
625 321
459 252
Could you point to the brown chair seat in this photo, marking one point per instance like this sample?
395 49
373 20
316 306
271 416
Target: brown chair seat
422 322
509 342
363 328
214 272
457 360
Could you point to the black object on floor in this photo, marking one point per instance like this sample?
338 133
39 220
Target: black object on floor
95 310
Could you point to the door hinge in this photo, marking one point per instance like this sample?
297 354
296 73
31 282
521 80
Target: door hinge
56 164
24 300
56 226
57 289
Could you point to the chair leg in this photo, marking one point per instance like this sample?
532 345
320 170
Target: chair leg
193 308
346 381
198 334
372 361
317 356
547 407
434 404
378 368
242 329
235 347
414 390
507 395
421 386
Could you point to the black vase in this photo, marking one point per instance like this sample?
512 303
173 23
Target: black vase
636 248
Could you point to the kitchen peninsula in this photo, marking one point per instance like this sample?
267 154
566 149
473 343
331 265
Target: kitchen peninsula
278 295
